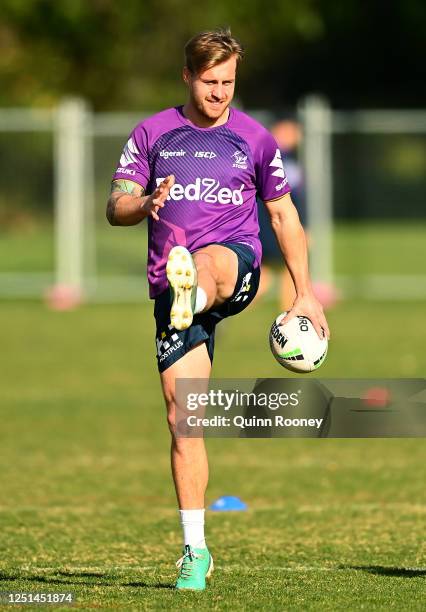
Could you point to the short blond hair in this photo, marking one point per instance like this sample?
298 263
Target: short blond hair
208 49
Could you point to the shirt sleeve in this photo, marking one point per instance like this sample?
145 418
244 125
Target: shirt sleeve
271 179
133 164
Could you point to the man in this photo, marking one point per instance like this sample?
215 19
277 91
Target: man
202 165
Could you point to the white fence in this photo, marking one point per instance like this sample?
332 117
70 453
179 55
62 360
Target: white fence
75 129
320 124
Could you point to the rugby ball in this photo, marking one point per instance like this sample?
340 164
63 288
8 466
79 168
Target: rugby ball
296 345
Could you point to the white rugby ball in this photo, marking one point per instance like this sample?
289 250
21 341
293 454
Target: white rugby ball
296 345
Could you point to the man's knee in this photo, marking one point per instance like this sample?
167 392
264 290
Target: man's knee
195 363
172 409
205 263
179 443
220 264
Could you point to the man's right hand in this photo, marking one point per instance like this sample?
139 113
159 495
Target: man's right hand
157 199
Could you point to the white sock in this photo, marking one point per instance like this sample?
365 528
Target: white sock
201 300
193 527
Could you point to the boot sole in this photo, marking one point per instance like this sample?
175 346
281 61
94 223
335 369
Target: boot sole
182 277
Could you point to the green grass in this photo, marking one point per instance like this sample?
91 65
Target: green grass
395 248
87 500
359 249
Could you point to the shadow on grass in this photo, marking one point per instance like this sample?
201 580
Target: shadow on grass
87 579
381 570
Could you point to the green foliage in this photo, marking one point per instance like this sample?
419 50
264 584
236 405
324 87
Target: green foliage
129 55
122 57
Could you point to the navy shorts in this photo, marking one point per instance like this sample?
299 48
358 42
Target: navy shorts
173 344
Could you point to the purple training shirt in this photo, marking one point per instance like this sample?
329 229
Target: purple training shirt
218 172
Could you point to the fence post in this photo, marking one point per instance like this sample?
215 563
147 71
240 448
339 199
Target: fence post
72 194
315 115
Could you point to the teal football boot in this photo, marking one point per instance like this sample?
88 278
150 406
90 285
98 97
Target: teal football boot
195 566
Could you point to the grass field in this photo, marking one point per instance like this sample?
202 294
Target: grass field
389 247
87 501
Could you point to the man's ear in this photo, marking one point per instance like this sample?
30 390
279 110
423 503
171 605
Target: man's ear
186 74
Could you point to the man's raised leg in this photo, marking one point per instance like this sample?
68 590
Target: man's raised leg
199 281
217 270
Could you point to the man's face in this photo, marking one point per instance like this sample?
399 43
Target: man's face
211 91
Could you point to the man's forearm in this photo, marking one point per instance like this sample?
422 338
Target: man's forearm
292 241
126 203
123 209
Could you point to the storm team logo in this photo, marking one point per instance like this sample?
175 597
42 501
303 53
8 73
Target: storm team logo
240 160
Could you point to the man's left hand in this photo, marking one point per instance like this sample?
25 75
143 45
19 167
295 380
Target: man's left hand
308 306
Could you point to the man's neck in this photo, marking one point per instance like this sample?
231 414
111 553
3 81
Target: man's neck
200 120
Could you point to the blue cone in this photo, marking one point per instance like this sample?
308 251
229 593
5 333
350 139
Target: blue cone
228 503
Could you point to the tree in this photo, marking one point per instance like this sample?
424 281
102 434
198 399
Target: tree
128 55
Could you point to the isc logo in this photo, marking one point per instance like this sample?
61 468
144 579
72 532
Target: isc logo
205 154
